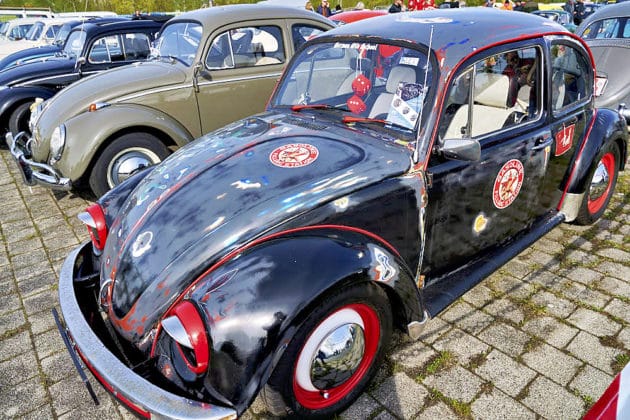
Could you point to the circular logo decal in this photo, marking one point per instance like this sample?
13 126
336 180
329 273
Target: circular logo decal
294 155
508 184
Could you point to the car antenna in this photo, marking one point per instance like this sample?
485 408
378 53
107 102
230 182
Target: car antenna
416 152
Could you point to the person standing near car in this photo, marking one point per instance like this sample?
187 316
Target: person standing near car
324 9
396 7
578 12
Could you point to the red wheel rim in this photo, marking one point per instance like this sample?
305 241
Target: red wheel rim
608 160
372 332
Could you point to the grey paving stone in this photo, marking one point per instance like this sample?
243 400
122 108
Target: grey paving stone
7 287
552 401
506 338
364 407
615 254
401 395
18 369
583 275
456 383
478 296
412 356
593 322
43 301
554 305
28 259
506 309
587 348
583 257
591 382
15 345
70 400
552 363
498 406
437 411
43 412
58 366
619 309
543 278
11 321
20 247
505 373
434 329
624 337
513 286
48 343
614 287
551 330
9 303
462 344
517 269
616 270
467 317
42 321
21 398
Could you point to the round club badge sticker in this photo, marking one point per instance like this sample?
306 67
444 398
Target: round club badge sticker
508 184
294 155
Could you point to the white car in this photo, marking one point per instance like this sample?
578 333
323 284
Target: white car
41 32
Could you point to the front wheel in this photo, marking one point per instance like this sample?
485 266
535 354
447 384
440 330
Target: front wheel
18 120
333 356
124 157
603 178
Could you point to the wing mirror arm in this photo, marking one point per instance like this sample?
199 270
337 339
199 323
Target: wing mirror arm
461 149
196 71
79 63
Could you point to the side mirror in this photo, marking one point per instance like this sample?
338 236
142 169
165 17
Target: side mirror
80 62
461 149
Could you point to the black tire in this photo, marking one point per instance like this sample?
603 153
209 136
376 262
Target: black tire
145 148
285 396
18 121
592 207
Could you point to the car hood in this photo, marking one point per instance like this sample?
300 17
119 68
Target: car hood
29 53
223 191
107 86
35 71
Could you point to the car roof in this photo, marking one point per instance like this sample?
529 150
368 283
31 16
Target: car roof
456 32
115 23
611 10
224 14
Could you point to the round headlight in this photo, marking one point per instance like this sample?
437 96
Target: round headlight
57 143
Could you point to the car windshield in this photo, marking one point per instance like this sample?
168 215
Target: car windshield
179 41
74 44
364 82
35 31
62 34
19 32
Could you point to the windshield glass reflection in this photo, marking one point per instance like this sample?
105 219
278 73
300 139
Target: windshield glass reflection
179 41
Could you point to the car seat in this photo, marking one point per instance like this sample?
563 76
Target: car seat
398 74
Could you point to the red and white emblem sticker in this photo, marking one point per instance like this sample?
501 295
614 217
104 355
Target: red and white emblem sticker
564 139
294 155
508 184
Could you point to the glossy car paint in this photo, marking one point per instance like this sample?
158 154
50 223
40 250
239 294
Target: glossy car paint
257 246
159 97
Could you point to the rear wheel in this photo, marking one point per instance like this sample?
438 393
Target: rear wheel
124 157
603 178
18 121
333 356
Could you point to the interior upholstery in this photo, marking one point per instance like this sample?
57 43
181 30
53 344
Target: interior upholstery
398 74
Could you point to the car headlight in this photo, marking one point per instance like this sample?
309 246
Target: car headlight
57 143
36 110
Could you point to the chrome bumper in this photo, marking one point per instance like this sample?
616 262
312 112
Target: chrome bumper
34 172
115 375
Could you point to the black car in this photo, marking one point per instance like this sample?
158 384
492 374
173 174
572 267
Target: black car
89 49
44 52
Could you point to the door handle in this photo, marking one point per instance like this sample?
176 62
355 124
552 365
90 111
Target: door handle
541 143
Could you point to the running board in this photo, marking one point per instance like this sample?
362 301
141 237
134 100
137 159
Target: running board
444 290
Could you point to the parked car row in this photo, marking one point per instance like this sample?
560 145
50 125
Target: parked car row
398 161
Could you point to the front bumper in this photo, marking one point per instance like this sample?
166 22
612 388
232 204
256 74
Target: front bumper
34 172
139 394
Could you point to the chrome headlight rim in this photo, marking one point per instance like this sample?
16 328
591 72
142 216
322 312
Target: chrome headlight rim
57 143
36 111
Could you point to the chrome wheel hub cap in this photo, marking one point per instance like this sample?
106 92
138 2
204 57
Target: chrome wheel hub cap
338 356
128 162
600 181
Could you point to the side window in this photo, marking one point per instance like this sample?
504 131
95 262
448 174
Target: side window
495 93
571 80
302 33
246 47
106 50
626 29
136 46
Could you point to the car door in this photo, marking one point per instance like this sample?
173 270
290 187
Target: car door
242 65
474 206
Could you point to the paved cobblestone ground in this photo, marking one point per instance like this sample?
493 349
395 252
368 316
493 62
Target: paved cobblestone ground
541 338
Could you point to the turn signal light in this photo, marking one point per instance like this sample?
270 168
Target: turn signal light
186 327
94 218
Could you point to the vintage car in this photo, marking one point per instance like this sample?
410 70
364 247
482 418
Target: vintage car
213 66
42 32
16 29
396 166
350 16
562 17
89 49
607 33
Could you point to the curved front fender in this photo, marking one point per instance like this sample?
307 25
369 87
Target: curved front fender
255 303
88 133
14 95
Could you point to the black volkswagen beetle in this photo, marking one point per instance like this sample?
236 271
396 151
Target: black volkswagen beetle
401 160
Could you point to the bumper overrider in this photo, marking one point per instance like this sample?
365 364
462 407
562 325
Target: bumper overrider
139 394
34 172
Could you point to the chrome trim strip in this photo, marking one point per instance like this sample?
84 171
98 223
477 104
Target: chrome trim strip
571 206
123 380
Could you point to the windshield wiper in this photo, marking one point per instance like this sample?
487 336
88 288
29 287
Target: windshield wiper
348 119
298 108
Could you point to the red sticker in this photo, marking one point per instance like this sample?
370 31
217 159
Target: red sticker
508 184
294 155
564 139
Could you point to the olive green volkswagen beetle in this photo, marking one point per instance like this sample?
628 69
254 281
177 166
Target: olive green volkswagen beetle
212 66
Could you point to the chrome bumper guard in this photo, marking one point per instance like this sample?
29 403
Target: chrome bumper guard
119 379
34 172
